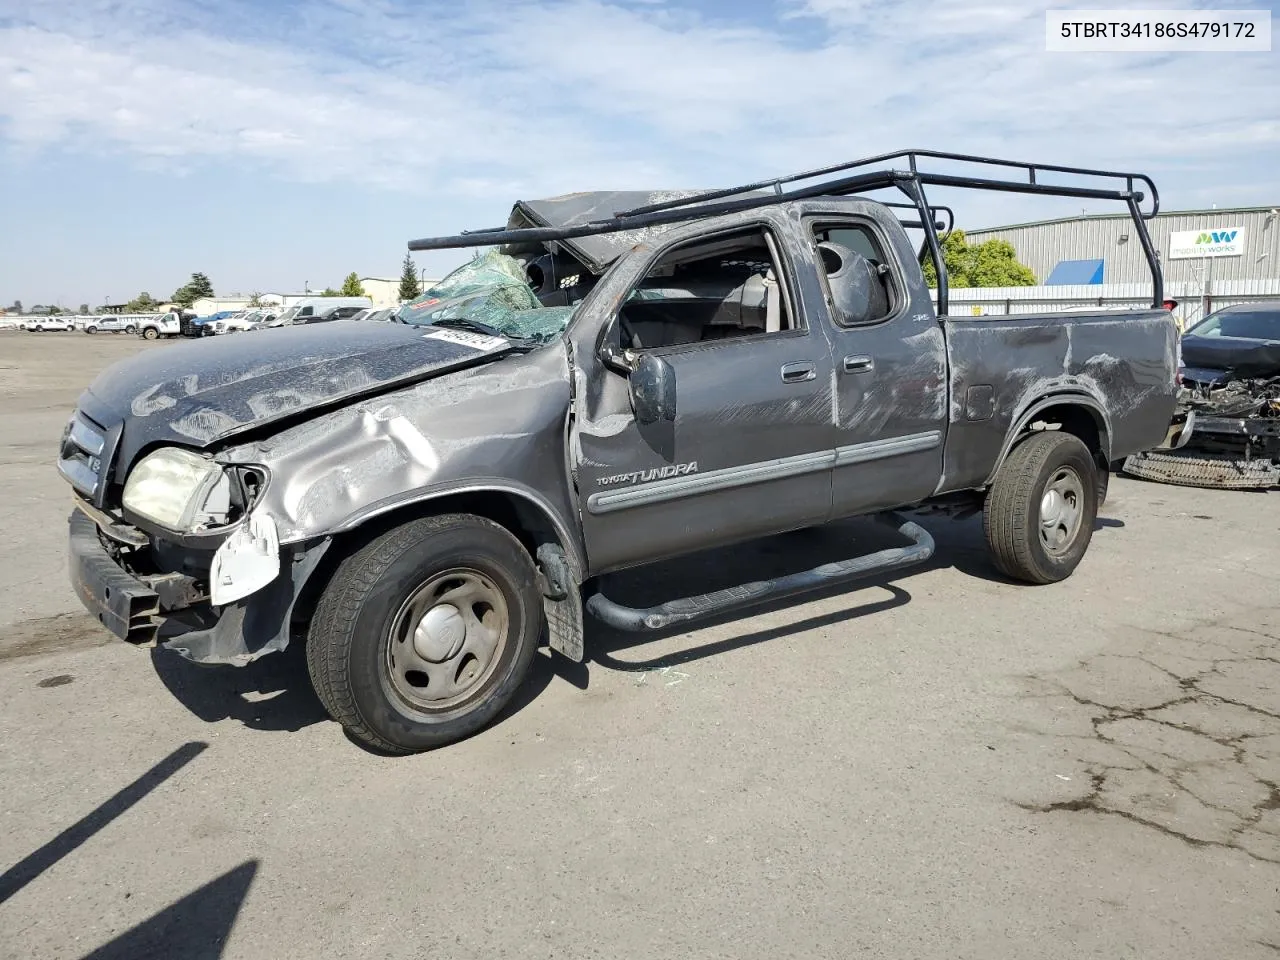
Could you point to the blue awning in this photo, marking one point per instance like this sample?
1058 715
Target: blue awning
1075 271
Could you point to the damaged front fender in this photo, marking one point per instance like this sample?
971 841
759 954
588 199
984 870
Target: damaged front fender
256 624
246 562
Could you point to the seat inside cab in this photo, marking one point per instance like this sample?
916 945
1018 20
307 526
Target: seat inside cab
715 289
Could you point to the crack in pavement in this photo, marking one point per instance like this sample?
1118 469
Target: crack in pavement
1191 753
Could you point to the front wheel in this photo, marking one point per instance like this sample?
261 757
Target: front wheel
424 635
151 333
1040 510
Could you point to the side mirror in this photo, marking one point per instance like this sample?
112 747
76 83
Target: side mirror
653 390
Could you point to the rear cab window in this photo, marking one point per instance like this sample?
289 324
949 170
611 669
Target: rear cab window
862 283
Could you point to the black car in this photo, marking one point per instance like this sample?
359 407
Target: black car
1230 398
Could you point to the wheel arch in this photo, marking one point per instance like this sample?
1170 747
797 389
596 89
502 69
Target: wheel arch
522 512
1079 414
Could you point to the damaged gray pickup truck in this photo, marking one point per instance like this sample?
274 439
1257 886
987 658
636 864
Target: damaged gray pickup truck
430 500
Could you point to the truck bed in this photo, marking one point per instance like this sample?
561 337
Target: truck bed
1121 365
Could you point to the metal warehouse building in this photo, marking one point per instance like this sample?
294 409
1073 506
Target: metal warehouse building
1210 258
1101 248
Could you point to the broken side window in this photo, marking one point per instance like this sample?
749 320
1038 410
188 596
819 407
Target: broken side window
711 289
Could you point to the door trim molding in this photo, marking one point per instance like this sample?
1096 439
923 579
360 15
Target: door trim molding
676 488
892 447
729 478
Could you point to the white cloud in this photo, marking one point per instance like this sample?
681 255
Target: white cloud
553 95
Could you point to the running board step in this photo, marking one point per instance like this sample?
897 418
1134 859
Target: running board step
760 591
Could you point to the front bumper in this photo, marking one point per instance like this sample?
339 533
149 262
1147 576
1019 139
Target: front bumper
123 604
165 612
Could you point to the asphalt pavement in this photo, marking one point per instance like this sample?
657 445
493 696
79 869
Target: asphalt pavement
937 764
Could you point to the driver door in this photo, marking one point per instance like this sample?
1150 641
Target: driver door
747 450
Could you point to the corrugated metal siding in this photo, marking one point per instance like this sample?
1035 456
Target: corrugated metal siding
1041 246
999 301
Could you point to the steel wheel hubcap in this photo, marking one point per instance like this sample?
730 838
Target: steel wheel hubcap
446 639
1061 510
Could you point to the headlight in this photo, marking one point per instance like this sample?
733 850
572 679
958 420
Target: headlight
178 489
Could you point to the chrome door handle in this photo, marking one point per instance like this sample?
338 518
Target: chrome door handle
798 372
858 364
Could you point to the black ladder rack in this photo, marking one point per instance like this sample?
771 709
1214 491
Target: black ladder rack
844 179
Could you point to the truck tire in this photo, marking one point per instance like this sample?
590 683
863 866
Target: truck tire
1040 510
131 329
91 329
150 333
426 633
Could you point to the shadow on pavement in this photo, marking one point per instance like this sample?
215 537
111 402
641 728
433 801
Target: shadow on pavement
194 928
34 864
273 693
959 544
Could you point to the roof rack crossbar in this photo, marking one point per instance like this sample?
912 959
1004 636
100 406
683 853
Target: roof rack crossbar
912 157
911 181
616 224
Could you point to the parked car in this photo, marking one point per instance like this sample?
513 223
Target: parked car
429 499
48 324
192 325
109 324
320 309
161 325
245 320
1229 404
375 315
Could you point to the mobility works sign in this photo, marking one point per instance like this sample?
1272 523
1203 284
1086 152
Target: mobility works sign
1193 244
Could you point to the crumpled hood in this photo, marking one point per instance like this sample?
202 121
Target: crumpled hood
203 391
1240 358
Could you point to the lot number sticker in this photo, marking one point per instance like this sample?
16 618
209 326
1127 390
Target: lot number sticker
465 338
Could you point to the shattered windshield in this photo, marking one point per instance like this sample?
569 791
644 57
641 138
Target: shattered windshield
490 293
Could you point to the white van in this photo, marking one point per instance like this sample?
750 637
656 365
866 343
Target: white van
320 309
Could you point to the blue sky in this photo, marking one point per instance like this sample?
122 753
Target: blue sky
272 144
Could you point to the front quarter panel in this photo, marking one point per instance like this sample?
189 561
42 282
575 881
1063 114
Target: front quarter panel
495 427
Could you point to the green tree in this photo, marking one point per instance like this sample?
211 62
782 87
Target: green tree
329 292
992 263
351 286
84 308
255 299
198 286
142 303
17 306
408 279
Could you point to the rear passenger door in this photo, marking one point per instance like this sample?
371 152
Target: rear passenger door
890 372
749 450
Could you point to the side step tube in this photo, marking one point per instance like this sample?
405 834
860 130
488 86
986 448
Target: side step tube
760 591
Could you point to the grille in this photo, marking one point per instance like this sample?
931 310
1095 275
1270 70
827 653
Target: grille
80 458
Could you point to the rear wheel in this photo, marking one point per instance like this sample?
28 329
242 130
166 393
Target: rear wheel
1040 510
90 329
131 329
424 635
